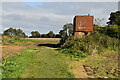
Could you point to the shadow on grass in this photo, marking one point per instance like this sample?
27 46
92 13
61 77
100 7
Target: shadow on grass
50 45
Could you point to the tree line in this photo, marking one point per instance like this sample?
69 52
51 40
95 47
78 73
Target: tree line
65 32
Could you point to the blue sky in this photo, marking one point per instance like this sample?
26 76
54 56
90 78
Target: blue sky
46 16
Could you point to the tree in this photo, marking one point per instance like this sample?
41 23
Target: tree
9 32
114 18
51 34
62 33
44 36
57 36
19 33
35 34
68 28
14 32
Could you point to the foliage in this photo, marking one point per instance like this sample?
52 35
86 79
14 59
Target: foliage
57 36
35 34
114 18
68 28
51 34
62 33
92 44
44 36
66 32
14 32
110 30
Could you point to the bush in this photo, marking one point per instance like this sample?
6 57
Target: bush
94 43
110 30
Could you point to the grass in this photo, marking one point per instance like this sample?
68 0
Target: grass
36 63
100 52
9 40
103 65
41 60
15 65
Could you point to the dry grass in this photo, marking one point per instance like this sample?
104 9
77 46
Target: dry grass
11 50
46 39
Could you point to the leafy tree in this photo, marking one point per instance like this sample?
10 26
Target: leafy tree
51 34
57 36
114 18
68 28
110 30
44 36
62 33
9 32
19 33
14 32
66 32
35 34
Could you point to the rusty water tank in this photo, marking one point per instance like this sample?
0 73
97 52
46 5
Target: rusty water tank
83 24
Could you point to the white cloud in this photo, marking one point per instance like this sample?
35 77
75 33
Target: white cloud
119 6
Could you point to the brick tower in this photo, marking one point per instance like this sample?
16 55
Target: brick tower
83 25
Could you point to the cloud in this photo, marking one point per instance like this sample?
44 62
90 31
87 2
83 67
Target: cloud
50 15
119 6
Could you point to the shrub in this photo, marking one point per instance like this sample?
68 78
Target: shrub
110 30
89 44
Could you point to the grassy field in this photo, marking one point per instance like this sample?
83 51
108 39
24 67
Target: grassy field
42 59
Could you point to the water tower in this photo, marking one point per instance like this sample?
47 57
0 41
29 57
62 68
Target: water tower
83 25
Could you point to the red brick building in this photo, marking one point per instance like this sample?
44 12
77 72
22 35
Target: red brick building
83 24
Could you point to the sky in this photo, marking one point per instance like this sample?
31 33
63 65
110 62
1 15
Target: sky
51 16
60 0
